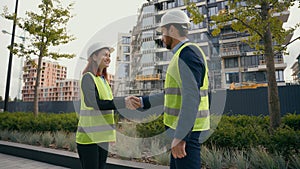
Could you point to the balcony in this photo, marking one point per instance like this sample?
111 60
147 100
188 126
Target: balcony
163 62
283 16
230 51
279 64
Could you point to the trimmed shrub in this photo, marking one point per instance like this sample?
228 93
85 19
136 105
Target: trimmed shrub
44 122
154 127
292 120
239 132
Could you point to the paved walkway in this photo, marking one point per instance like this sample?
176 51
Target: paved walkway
12 162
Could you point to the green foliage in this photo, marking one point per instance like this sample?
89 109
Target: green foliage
163 159
154 127
195 15
260 159
233 132
284 140
240 132
247 16
71 142
4 135
245 132
33 138
295 162
46 139
292 120
212 158
44 122
260 24
60 139
127 147
47 29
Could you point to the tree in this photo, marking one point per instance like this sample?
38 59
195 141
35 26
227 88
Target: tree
47 30
261 20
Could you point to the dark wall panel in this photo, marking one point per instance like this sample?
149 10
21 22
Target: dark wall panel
247 102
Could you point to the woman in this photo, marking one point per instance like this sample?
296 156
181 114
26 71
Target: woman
96 118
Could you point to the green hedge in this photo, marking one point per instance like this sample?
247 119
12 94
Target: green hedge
240 132
44 122
244 132
154 127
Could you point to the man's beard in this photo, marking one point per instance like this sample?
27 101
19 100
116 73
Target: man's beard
168 46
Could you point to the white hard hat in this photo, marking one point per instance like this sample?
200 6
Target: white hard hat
174 16
96 46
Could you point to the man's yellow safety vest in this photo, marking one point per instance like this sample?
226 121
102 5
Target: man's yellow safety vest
173 98
96 126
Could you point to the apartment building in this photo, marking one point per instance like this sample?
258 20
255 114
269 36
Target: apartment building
53 84
230 60
296 71
123 65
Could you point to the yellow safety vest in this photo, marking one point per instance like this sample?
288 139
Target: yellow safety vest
96 126
173 98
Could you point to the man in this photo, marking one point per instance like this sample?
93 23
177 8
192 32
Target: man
186 109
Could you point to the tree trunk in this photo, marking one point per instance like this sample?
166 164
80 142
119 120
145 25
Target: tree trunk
273 98
36 87
42 48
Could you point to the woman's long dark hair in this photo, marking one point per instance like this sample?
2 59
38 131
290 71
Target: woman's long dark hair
93 67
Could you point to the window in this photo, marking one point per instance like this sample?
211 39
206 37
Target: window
279 75
211 1
231 62
213 11
205 50
223 5
171 5
180 2
126 57
125 40
148 21
147 34
198 37
250 61
246 48
126 70
126 49
148 9
259 77
148 45
232 77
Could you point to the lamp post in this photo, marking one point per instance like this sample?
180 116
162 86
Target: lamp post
10 57
21 62
298 76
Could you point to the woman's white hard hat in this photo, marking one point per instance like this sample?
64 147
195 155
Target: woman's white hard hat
98 45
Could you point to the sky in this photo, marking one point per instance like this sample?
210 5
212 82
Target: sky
95 20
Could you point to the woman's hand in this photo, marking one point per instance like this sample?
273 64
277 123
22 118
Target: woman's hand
132 102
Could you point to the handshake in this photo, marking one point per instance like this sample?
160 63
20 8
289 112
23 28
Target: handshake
133 102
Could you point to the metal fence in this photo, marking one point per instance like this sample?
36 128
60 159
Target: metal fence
255 101
246 102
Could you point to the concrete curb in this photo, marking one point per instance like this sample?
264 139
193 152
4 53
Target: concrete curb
65 158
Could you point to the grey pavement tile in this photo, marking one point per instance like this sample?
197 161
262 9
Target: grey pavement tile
12 162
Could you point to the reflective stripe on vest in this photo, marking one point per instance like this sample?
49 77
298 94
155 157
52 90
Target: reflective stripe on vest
173 98
96 126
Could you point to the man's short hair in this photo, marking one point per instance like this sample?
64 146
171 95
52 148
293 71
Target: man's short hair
182 28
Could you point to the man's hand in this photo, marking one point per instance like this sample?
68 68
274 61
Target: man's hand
132 102
178 148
